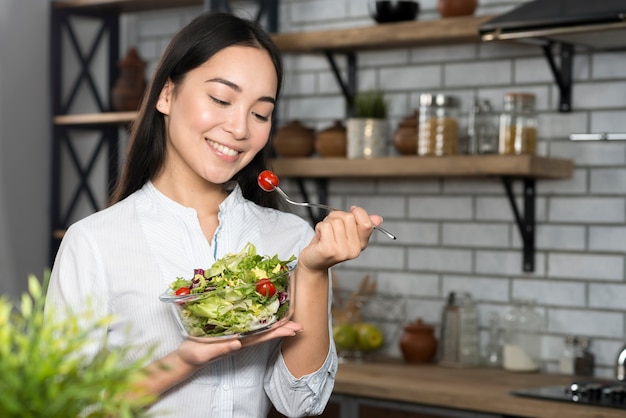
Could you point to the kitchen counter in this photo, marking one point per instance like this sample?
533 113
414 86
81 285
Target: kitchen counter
470 389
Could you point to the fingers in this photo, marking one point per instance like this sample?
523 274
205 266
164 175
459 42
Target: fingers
198 353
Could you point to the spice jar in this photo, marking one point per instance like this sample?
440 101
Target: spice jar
418 343
518 124
482 128
522 337
438 130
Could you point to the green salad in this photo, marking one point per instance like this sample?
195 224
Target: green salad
239 293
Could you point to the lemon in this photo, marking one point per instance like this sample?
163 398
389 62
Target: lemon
370 337
345 337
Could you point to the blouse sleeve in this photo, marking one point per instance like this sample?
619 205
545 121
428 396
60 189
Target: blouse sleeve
77 284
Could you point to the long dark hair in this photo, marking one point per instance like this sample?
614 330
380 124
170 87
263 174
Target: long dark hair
193 45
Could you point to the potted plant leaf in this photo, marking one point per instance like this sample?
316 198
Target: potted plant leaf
367 129
44 373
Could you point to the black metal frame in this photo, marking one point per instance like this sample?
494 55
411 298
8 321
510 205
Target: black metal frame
563 74
525 222
107 36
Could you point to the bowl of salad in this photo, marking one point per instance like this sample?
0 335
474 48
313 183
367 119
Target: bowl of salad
241 294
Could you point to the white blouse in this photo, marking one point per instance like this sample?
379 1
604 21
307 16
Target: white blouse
119 261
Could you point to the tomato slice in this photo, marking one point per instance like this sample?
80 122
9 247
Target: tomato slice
268 180
182 291
266 288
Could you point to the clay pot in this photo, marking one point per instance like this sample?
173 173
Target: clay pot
405 137
453 8
294 140
128 90
332 141
418 343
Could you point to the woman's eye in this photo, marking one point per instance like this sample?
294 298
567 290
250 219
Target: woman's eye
218 101
261 117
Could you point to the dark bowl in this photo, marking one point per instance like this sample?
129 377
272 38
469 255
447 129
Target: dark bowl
394 11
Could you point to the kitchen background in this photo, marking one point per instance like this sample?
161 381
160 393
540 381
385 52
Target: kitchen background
456 234
453 234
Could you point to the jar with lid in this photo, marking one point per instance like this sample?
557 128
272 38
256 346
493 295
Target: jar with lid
522 337
482 128
584 360
438 131
518 124
566 360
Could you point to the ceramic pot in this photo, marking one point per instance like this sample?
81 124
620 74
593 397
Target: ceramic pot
418 343
405 137
454 8
294 140
332 141
128 90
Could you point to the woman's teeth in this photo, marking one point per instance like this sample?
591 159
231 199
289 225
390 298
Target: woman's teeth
223 149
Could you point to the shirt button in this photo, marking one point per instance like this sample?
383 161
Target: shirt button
226 387
315 380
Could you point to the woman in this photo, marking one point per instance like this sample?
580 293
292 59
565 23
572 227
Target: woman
187 196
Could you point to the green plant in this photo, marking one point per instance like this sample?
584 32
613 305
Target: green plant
44 373
370 104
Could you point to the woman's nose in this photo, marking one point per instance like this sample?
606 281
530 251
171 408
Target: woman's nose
237 124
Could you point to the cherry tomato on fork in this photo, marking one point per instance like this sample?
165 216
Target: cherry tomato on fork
268 180
266 288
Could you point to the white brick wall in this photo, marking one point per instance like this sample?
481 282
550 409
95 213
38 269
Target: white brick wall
459 235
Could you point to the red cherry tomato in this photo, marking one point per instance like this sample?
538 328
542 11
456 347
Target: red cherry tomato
268 180
266 288
182 291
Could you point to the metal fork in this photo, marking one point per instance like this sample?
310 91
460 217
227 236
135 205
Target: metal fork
325 207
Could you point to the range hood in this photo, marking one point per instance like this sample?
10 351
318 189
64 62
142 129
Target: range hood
598 24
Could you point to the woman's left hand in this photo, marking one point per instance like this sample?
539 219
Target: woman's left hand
339 237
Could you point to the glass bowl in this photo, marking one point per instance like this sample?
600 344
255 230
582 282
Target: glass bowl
228 313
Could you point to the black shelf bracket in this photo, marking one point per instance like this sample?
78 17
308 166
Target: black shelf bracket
349 86
525 223
563 73
322 196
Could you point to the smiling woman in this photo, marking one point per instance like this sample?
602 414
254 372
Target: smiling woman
187 197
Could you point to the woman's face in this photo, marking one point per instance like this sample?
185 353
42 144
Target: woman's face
219 117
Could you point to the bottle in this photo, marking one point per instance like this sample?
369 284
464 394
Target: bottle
566 361
438 129
518 125
482 128
469 342
493 350
522 337
584 360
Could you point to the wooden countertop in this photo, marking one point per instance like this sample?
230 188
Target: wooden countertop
471 389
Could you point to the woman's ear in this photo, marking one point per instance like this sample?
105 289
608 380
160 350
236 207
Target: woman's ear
163 104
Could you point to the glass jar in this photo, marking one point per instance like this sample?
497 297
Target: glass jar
482 128
518 125
522 337
438 130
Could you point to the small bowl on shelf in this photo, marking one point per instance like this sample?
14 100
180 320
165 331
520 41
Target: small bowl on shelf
394 11
229 313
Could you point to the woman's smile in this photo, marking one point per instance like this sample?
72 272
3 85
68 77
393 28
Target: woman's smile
223 150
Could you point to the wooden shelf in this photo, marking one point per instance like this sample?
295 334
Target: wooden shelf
95 118
529 166
384 36
117 6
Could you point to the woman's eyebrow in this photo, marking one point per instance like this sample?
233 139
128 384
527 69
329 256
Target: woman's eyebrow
236 88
